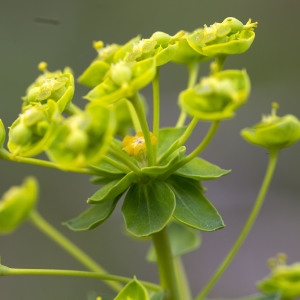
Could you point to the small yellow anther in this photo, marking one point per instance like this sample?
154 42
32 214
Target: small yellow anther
42 66
98 45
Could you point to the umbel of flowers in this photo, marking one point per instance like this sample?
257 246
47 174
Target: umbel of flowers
148 167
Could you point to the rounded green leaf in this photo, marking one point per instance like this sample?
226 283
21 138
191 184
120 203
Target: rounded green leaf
200 169
113 189
93 216
192 208
148 208
133 290
17 203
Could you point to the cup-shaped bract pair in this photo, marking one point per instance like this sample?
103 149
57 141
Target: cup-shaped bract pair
123 80
32 132
284 280
229 37
83 138
216 97
96 71
17 203
57 86
274 132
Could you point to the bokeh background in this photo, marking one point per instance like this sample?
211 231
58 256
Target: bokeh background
273 64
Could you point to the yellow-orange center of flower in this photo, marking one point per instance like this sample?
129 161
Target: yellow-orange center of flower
135 145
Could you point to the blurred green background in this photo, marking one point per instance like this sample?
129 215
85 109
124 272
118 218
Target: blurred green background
273 65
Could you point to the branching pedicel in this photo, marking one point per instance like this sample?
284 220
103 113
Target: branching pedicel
111 140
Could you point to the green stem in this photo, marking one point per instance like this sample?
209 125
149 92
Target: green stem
5 271
124 158
184 290
210 134
145 128
247 227
67 245
181 140
193 75
5 155
116 164
156 106
166 266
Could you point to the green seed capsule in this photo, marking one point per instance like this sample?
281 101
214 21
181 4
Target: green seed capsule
234 24
121 73
20 134
77 141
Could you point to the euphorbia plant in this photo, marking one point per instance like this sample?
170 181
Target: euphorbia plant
135 160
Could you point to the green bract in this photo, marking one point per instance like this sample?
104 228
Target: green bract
218 96
96 71
17 203
283 280
34 130
57 86
228 37
123 80
273 132
83 138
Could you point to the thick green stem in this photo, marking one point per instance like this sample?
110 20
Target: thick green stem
182 280
245 231
5 271
165 264
67 245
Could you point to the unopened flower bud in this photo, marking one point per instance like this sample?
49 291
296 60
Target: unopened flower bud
20 134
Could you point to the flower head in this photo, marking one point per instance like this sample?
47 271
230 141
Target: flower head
135 145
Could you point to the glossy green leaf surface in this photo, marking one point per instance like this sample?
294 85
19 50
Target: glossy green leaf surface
183 240
192 208
147 208
112 189
200 169
93 216
132 291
